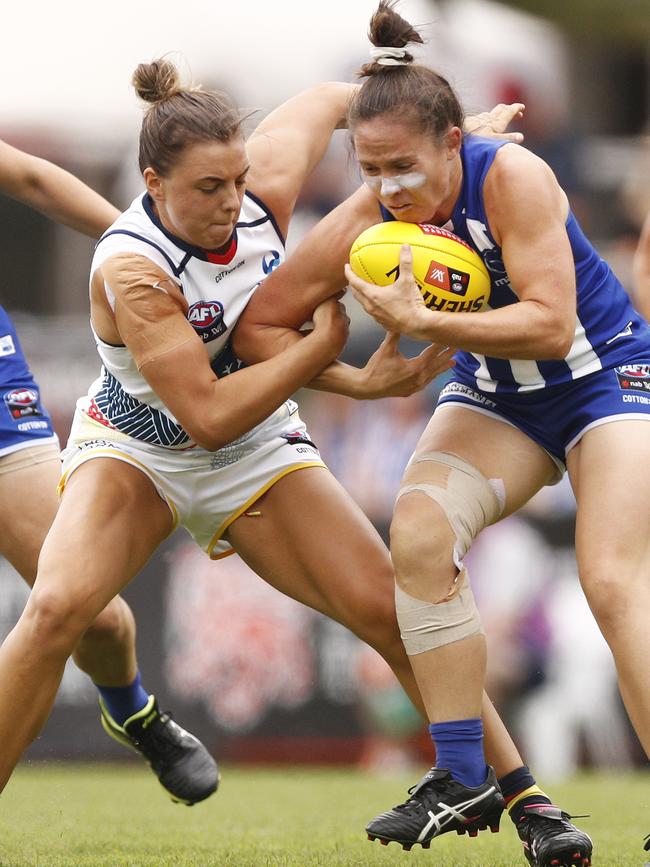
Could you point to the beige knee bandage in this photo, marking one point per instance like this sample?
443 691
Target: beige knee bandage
470 502
427 625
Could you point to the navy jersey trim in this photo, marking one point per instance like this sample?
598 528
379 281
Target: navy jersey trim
146 241
269 213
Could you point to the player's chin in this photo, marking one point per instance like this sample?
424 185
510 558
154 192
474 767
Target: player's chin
408 213
217 236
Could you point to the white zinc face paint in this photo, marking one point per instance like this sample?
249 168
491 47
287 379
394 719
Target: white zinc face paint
384 187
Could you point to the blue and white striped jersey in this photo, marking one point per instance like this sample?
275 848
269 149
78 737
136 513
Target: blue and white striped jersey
217 288
608 329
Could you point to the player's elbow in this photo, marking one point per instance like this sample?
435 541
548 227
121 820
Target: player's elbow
247 342
207 434
564 337
556 333
216 429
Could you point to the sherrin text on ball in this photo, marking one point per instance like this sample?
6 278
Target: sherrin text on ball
450 275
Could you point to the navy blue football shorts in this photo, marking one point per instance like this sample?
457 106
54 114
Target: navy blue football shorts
24 421
558 416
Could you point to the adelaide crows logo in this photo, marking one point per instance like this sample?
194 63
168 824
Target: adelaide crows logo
270 261
206 318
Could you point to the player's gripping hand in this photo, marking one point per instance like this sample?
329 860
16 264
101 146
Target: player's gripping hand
399 306
494 124
388 373
331 326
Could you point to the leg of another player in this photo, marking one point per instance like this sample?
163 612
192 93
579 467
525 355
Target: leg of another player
333 560
106 651
610 474
110 521
450 675
28 481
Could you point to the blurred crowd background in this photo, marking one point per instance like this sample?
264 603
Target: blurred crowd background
256 675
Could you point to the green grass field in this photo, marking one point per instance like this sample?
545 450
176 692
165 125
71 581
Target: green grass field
107 816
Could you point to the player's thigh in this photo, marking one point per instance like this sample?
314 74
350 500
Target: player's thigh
501 452
29 503
610 473
109 522
313 543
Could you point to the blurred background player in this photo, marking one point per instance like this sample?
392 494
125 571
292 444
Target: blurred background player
30 468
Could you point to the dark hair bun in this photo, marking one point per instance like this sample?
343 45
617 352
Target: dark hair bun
388 28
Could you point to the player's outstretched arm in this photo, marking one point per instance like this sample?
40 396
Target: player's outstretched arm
54 192
287 145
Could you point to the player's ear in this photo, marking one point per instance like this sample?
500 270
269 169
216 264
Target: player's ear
452 142
153 182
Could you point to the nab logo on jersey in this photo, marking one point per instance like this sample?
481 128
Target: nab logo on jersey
206 318
270 261
22 402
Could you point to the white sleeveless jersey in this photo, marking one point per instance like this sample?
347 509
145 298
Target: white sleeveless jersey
217 288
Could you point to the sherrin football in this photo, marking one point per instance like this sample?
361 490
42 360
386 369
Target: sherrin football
450 274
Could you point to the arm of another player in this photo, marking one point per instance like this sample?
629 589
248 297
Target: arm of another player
527 211
286 299
494 123
641 271
54 192
287 145
150 320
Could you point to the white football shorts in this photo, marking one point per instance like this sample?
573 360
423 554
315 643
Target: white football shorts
205 491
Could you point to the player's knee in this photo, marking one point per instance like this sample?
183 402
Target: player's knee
422 545
434 601
612 594
442 506
112 626
55 624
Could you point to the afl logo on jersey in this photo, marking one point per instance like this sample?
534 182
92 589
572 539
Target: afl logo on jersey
206 318
22 402
634 377
270 261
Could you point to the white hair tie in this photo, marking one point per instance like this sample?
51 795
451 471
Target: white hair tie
389 56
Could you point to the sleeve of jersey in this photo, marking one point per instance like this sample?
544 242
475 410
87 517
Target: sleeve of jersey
150 309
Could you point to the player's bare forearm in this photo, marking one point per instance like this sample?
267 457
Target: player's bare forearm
64 198
265 341
520 331
53 191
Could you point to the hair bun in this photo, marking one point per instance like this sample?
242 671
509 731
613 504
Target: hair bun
156 81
